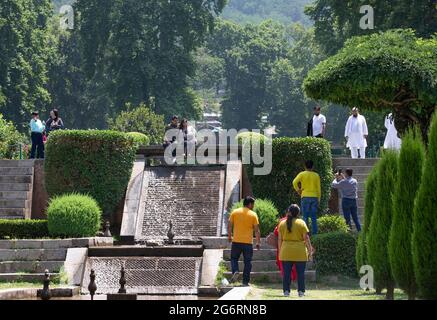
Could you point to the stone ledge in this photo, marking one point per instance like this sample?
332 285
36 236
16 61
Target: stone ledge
25 293
236 294
56 243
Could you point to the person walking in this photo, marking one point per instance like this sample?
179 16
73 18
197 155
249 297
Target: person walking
295 249
54 122
356 134
278 261
187 136
317 125
307 185
37 129
243 223
349 191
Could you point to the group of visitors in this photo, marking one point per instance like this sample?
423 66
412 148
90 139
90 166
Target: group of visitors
40 131
356 132
292 233
181 133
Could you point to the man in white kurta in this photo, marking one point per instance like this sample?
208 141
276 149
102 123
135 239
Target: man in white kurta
392 141
356 134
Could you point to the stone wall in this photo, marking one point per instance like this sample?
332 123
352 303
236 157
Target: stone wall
40 197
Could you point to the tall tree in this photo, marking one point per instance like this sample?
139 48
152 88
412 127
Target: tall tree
337 21
141 51
24 53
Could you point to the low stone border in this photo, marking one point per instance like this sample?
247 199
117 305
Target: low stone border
21 294
236 294
56 243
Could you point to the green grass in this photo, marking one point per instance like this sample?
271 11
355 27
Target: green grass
327 288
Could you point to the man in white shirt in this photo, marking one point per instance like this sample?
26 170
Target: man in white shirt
356 134
317 126
392 140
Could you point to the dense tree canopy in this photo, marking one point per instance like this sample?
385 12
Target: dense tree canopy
393 71
337 21
24 52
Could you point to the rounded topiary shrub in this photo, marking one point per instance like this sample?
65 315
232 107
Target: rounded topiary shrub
249 137
140 139
267 214
73 215
93 162
332 223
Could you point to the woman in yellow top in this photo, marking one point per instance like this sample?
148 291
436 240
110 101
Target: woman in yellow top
295 249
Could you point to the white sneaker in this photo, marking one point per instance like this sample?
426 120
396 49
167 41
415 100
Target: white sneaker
235 277
286 294
301 294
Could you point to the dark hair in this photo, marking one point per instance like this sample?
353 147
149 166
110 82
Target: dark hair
293 213
248 200
56 112
35 113
317 108
181 126
175 118
309 164
350 172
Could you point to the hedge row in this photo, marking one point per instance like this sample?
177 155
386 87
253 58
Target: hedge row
96 163
289 156
23 229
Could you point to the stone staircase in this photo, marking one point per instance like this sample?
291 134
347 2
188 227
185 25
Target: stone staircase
362 169
264 268
27 260
16 184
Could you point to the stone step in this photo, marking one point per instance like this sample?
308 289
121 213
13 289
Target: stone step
43 244
15 187
27 277
30 266
258 255
15 179
14 204
347 162
263 266
14 213
33 254
17 195
16 163
272 277
16 171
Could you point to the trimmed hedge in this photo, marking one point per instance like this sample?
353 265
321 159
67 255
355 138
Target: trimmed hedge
335 253
267 214
140 139
97 163
73 216
332 223
24 229
289 156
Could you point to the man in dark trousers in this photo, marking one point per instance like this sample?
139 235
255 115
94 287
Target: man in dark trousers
37 129
242 223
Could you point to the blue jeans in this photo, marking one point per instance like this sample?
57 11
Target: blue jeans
310 206
247 251
300 268
350 208
37 146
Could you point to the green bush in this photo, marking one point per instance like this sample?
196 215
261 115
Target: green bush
97 163
141 119
378 235
369 200
331 223
140 139
9 140
73 215
23 229
249 137
289 156
410 163
335 253
267 214
424 245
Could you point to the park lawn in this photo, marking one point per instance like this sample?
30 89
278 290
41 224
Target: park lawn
327 288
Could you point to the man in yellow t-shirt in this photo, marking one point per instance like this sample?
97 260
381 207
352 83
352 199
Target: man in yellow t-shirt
307 184
242 223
